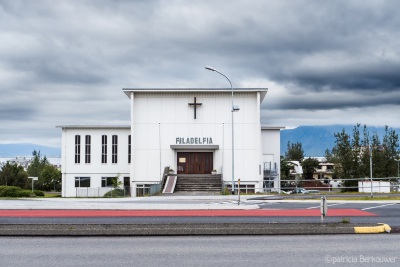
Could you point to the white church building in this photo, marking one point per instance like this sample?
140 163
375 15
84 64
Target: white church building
188 130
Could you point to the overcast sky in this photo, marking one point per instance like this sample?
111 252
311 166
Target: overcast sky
324 62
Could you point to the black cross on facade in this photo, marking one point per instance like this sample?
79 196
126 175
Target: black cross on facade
195 104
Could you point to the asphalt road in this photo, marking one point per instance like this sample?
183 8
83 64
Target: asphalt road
336 250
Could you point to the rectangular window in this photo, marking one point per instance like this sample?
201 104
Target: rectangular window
114 149
82 181
129 148
106 181
77 149
104 149
87 148
142 190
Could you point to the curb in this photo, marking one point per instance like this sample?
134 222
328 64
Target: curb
186 229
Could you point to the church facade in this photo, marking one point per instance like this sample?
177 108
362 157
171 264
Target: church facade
189 130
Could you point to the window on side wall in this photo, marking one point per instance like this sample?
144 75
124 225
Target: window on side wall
106 181
129 148
114 155
82 181
104 149
77 149
87 148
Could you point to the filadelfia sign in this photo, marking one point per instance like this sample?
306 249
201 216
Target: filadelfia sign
194 141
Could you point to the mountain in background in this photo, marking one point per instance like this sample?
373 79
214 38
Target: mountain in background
15 150
316 139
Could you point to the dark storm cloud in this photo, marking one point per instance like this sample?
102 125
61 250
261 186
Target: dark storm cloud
346 45
9 114
340 101
66 62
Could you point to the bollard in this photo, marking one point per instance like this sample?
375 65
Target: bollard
324 208
238 189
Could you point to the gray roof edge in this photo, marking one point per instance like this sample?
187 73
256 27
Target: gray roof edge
93 126
194 89
197 147
267 127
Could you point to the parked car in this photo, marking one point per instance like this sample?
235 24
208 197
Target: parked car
299 191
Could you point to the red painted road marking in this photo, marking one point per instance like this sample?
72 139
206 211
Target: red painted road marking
183 213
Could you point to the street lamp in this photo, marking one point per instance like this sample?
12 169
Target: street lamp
234 108
370 168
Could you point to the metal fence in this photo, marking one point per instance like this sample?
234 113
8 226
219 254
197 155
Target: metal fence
147 189
101 192
141 190
362 185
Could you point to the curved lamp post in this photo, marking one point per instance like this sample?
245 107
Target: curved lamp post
370 169
234 108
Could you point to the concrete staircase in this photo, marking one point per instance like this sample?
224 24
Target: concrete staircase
198 182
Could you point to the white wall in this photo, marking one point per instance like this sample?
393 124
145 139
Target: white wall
159 118
271 138
95 169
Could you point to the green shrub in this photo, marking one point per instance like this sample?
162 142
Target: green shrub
346 220
226 191
24 193
2 187
115 193
14 191
38 193
9 191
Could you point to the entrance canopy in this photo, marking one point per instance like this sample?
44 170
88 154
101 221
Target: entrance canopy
195 147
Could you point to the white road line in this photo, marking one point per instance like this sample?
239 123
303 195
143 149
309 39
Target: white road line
329 205
379 206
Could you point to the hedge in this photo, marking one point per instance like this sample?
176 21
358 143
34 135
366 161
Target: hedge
115 193
14 191
38 193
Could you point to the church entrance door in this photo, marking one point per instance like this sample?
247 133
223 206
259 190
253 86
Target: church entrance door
195 162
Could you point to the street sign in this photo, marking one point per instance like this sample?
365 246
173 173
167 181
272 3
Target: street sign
33 179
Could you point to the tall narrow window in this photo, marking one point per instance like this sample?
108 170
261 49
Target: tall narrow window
114 149
77 149
104 149
129 149
87 148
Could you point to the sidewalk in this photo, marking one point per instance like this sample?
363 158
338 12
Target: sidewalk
172 202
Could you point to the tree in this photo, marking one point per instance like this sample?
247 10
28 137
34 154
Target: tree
116 182
294 152
48 175
357 169
309 165
285 169
12 174
49 179
342 153
390 144
37 164
352 155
